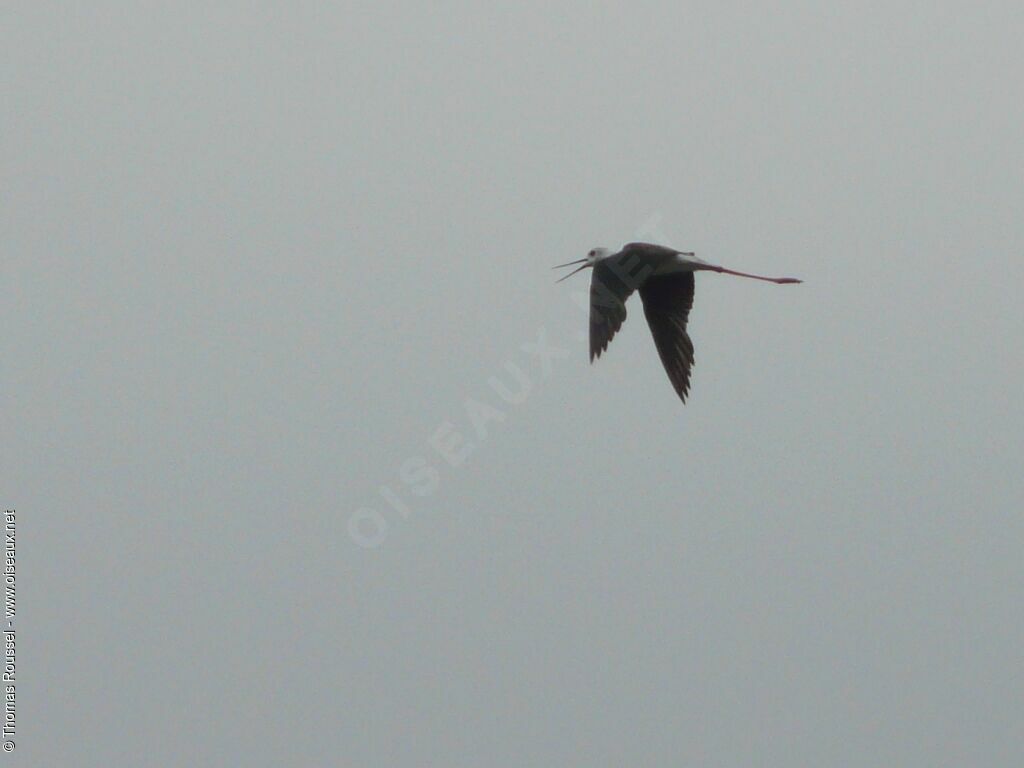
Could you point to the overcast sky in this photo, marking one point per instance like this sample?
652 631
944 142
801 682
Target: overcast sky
310 464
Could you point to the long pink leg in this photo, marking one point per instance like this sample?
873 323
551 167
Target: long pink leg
780 280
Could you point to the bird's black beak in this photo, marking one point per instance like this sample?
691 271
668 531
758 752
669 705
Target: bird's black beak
585 263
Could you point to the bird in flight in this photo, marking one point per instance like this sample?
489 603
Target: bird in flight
664 278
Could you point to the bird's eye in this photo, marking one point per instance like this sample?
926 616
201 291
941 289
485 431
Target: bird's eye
590 254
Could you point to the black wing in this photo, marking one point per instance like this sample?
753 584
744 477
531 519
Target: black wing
614 279
667 302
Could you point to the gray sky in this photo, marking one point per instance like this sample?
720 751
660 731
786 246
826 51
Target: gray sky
260 262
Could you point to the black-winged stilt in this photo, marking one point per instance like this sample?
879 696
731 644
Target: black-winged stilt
664 278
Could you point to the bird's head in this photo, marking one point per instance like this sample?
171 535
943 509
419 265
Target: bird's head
593 256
